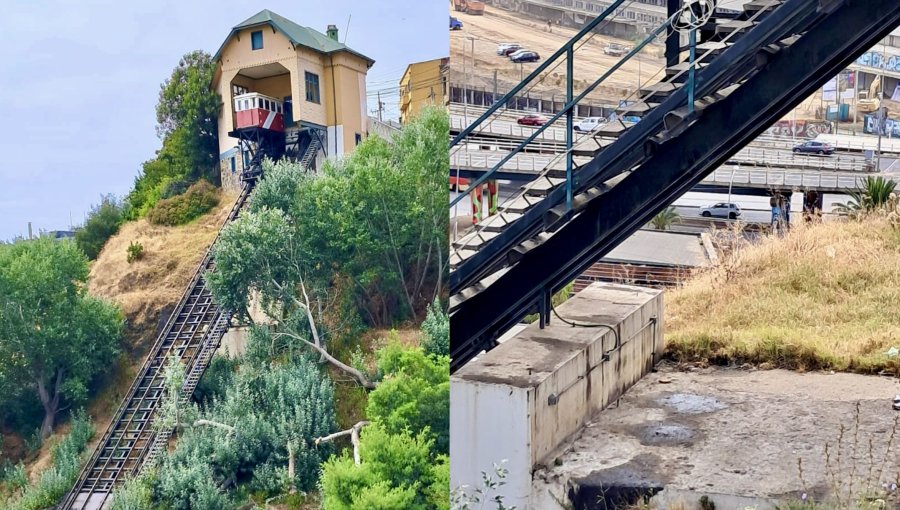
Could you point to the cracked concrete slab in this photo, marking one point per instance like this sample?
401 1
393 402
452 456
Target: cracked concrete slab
739 435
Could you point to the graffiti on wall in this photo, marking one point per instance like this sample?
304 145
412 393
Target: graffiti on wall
799 128
890 127
880 61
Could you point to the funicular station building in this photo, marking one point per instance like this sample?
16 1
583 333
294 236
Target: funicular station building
287 86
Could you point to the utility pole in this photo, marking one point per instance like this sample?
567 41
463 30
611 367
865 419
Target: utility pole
380 106
855 98
465 89
881 120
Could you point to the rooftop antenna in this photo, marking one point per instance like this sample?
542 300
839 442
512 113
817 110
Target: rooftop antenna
346 32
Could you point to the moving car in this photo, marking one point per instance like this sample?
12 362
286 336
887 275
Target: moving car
455 24
589 124
525 56
814 147
721 210
505 49
532 119
615 50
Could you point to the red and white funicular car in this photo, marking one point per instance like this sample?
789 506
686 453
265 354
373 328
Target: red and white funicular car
256 110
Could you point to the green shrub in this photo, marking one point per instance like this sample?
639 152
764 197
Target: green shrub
199 199
65 466
135 251
102 223
134 494
436 329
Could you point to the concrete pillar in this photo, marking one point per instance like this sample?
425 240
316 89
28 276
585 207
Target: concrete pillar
526 397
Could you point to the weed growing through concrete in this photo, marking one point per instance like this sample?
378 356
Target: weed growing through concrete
869 487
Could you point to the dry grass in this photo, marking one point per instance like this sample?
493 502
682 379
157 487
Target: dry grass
825 296
157 280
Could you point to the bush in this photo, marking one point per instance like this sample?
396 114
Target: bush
102 223
60 476
199 199
436 329
135 251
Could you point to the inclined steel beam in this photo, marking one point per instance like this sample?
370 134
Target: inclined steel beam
787 77
630 148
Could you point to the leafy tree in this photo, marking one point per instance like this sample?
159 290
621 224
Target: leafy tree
187 113
414 394
377 217
261 431
665 218
397 472
54 337
102 223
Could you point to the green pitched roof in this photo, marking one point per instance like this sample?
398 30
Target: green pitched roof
298 35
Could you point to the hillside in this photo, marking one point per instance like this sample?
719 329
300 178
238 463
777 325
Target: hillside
156 281
822 297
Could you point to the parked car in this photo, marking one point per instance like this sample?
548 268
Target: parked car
814 147
721 210
455 24
532 119
525 56
589 124
616 50
505 49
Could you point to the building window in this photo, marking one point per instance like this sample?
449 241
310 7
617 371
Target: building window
233 164
358 138
256 40
312 88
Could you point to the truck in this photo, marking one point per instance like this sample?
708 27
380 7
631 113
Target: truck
473 7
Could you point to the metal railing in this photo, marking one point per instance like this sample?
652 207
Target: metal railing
190 335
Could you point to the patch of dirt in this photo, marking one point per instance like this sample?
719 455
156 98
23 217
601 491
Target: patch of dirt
157 281
12 446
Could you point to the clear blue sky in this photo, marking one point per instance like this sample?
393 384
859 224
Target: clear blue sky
79 81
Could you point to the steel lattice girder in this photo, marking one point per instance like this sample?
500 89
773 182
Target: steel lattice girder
629 149
787 77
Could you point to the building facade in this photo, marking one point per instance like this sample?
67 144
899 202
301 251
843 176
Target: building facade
320 81
424 83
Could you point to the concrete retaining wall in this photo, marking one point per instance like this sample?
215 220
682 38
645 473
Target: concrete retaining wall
524 398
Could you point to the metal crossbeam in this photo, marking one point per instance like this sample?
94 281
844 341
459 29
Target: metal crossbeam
832 39
191 335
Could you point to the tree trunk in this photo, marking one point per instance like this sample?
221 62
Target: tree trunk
50 401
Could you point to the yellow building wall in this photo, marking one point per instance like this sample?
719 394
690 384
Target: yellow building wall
346 104
238 54
310 61
342 87
421 85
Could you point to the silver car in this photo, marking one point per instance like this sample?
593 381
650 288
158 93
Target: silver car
721 210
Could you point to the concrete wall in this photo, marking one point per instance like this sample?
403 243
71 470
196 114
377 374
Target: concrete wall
562 375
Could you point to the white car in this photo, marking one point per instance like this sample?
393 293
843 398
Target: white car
721 210
507 48
589 124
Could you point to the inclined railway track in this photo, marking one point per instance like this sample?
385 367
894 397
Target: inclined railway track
192 334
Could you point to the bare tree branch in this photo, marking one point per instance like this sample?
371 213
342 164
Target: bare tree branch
209 423
359 376
353 432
